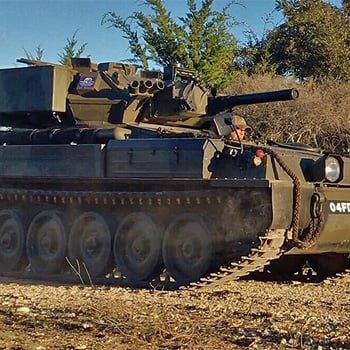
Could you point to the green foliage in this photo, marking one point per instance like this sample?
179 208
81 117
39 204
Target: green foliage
37 55
319 117
71 50
314 40
201 40
346 7
255 58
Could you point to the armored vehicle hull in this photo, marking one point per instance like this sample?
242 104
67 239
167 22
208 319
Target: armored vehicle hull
114 197
182 211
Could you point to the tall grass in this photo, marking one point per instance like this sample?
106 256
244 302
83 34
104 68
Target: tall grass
320 116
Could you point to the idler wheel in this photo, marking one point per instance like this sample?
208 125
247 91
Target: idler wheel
90 244
12 241
46 243
187 249
137 248
329 264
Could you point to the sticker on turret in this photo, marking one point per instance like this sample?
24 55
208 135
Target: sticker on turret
86 81
339 207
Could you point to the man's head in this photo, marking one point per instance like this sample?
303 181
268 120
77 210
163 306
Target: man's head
240 127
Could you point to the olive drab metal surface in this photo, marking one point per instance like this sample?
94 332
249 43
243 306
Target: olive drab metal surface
42 89
114 175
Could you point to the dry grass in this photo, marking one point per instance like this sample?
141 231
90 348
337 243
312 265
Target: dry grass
319 117
245 314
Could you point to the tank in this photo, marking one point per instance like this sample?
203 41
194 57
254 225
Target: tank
114 175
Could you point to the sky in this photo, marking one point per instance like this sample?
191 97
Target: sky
28 24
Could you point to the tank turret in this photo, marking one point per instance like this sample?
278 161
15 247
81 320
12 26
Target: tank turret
46 95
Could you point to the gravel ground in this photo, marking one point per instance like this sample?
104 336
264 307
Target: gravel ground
246 314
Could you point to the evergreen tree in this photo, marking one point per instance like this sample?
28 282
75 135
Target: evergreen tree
37 55
201 40
70 50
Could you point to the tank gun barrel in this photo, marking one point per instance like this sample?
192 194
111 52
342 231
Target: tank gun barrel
222 103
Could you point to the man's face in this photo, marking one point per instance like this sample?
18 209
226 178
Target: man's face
237 134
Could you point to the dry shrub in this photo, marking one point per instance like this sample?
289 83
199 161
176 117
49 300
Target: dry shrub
319 117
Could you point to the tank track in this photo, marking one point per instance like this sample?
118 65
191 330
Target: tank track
259 256
268 250
339 277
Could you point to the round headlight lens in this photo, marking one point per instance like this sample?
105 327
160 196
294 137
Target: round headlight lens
332 169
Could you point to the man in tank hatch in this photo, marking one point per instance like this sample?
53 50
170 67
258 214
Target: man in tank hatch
240 127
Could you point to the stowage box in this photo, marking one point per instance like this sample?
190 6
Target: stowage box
34 89
51 160
174 158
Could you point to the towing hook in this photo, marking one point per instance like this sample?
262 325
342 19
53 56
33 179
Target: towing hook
316 204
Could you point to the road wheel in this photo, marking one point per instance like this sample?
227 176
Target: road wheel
90 244
46 243
187 249
137 248
12 241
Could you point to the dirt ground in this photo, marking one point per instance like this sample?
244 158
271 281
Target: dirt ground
244 314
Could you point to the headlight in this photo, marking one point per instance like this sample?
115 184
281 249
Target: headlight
328 168
332 169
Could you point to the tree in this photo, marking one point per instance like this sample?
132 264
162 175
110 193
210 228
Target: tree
201 40
314 40
70 50
254 57
346 7
38 54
